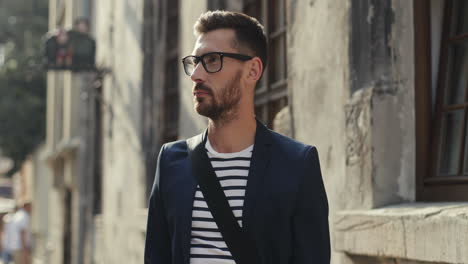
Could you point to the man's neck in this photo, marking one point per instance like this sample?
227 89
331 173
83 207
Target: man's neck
233 136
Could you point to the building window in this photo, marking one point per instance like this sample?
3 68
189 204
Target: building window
171 78
443 151
271 93
160 80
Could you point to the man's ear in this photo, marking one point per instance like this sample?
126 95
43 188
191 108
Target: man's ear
255 69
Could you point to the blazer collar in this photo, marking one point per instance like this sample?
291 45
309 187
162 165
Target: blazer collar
258 164
262 136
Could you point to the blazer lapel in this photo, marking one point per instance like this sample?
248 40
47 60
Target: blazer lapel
258 164
192 143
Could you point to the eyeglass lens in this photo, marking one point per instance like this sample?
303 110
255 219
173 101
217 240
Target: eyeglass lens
211 62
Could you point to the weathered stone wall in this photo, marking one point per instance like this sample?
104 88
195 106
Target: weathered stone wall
430 232
318 74
64 132
42 185
380 157
118 26
352 85
55 241
394 115
380 161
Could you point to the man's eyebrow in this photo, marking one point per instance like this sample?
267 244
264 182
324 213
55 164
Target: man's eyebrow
203 53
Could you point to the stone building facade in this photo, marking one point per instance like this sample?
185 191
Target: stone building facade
363 81
69 152
32 183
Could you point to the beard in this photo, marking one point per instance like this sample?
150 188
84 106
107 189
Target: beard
221 106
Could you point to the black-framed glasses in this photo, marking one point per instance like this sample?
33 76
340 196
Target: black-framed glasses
212 62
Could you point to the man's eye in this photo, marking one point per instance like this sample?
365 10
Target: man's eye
211 59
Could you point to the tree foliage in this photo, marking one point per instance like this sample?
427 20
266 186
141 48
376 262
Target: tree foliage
22 78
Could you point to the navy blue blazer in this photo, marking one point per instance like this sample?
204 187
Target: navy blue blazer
285 207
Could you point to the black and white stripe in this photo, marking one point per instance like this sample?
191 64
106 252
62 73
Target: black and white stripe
207 243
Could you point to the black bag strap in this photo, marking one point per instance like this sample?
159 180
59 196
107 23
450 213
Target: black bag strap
242 249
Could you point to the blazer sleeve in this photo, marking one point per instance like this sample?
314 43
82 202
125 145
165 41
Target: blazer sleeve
311 230
157 242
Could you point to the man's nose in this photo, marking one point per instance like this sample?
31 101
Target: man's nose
199 73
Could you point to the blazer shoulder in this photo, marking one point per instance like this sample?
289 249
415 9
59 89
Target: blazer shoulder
174 145
179 148
290 147
174 149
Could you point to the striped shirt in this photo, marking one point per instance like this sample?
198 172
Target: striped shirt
207 243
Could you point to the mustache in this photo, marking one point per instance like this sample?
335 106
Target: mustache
202 87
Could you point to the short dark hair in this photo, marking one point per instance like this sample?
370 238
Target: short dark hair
249 32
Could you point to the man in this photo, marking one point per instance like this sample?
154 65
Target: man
16 237
9 236
272 183
22 245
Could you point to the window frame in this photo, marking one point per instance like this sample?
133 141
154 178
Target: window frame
156 33
430 185
171 102
270 96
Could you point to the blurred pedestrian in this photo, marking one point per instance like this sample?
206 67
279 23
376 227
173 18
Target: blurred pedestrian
22 244
8 236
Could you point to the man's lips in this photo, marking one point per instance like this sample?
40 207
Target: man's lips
200 93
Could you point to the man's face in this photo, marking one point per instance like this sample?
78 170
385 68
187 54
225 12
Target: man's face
217 95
